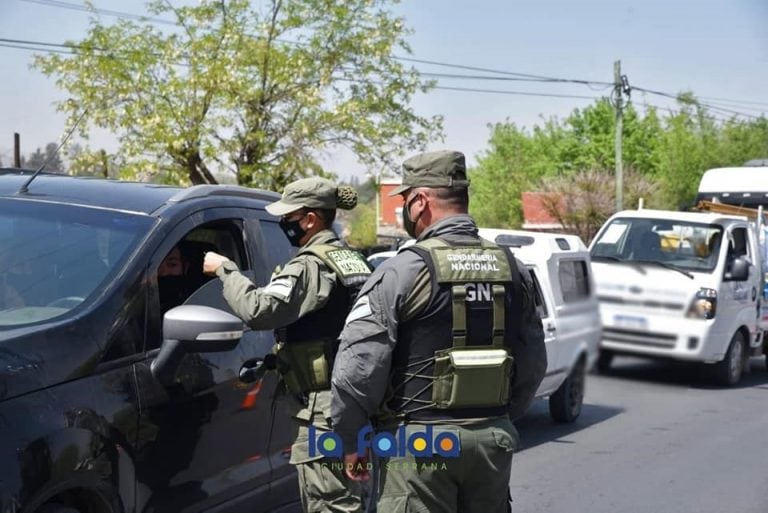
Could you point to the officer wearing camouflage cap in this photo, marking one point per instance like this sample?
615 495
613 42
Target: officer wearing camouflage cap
306 303
444 337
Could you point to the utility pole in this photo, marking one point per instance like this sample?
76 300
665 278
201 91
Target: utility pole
620 88
16 150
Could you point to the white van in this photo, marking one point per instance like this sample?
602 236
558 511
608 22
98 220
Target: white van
680 285
567 303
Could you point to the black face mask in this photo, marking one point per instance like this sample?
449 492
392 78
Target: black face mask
293 231
172 291
408 223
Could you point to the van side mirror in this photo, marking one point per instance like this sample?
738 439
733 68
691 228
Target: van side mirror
739 270
194 329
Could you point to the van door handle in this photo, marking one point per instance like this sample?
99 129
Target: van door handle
551 328
252 370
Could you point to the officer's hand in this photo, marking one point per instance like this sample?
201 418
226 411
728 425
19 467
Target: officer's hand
212 262
356 467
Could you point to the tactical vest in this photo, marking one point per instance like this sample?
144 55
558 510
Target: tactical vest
307 347
452 360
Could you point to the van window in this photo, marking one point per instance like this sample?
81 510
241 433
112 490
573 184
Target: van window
538 296
738 244
574 280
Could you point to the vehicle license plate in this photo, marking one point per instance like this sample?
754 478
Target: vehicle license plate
630 322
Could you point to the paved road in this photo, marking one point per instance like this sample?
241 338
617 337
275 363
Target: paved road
653 437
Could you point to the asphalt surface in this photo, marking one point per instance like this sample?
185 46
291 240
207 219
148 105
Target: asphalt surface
653 437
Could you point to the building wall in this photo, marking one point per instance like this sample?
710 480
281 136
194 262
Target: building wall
389 205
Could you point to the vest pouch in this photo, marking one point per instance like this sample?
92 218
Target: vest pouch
305 366
472 378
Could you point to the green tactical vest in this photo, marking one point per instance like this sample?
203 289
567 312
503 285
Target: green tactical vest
453 357
307 347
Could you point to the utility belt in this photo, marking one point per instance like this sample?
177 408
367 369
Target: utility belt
305 366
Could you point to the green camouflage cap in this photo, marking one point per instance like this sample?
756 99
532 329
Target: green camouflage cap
434 169
314 192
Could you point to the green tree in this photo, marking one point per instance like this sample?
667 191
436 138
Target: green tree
502 173
673 151
50 160
258 91
362 226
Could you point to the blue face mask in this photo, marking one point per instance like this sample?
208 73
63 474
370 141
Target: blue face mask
293 230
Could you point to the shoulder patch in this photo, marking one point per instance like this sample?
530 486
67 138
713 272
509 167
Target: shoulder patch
280 287
361 309
349 262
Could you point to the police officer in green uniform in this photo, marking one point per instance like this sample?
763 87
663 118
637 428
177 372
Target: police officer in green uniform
306 302
444 339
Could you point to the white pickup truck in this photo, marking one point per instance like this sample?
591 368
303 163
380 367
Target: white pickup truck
681 285
565 299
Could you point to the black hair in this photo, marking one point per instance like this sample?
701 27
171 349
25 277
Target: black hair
328 215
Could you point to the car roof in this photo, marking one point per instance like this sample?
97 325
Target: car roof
533 247
136 197
673 215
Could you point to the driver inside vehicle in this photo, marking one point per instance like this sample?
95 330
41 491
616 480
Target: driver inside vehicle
172 279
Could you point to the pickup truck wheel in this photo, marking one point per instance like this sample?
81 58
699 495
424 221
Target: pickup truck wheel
565 403
728 371
604 360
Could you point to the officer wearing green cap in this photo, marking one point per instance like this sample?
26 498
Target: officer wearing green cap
444 337
306 303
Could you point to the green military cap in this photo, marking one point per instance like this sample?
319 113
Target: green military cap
434 169
314 192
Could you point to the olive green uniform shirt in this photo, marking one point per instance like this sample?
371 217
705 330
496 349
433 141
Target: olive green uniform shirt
302 286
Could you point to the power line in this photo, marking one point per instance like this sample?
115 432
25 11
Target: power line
703 104
68 49
746 102
502 78
126 15
518 76
519 93
106 12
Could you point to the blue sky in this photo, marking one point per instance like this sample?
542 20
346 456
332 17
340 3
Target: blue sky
716 48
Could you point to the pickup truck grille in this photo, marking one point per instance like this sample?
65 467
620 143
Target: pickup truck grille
639 338
647 303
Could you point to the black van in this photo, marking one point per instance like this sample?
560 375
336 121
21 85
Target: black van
92 420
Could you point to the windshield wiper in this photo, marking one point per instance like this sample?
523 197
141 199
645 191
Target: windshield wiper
665 265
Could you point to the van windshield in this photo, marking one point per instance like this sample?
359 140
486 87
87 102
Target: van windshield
680 244
54 257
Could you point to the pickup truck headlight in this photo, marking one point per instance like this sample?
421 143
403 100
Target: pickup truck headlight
704 305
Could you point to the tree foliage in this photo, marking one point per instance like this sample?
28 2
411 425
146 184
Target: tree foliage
582 201
362 226
49 160
260 91
670 151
